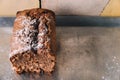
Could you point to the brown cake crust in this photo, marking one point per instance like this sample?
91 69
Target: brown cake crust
33 42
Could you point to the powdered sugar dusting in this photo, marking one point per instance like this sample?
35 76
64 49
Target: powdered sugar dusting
48 39
43 29
41 40
20 50
27 22
112 69
40 45
24 38
42 32
28 37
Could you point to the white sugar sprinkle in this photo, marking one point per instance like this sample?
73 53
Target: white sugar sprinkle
24 38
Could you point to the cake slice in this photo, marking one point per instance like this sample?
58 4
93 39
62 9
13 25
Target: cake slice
33 42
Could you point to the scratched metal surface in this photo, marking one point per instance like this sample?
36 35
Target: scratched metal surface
84 53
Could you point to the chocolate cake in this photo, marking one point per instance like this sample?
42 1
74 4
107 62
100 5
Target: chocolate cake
33 42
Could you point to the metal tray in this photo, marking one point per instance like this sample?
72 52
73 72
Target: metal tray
83 53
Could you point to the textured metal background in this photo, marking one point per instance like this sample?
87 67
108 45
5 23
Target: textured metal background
74 21
84 52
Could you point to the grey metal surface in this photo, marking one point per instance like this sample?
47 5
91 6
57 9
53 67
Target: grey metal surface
74 21
84 53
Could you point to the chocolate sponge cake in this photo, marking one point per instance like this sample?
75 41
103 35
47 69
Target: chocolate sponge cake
33 42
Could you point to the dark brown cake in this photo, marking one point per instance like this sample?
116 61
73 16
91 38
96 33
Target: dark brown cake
33 42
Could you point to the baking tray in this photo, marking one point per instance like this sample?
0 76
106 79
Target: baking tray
83 53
